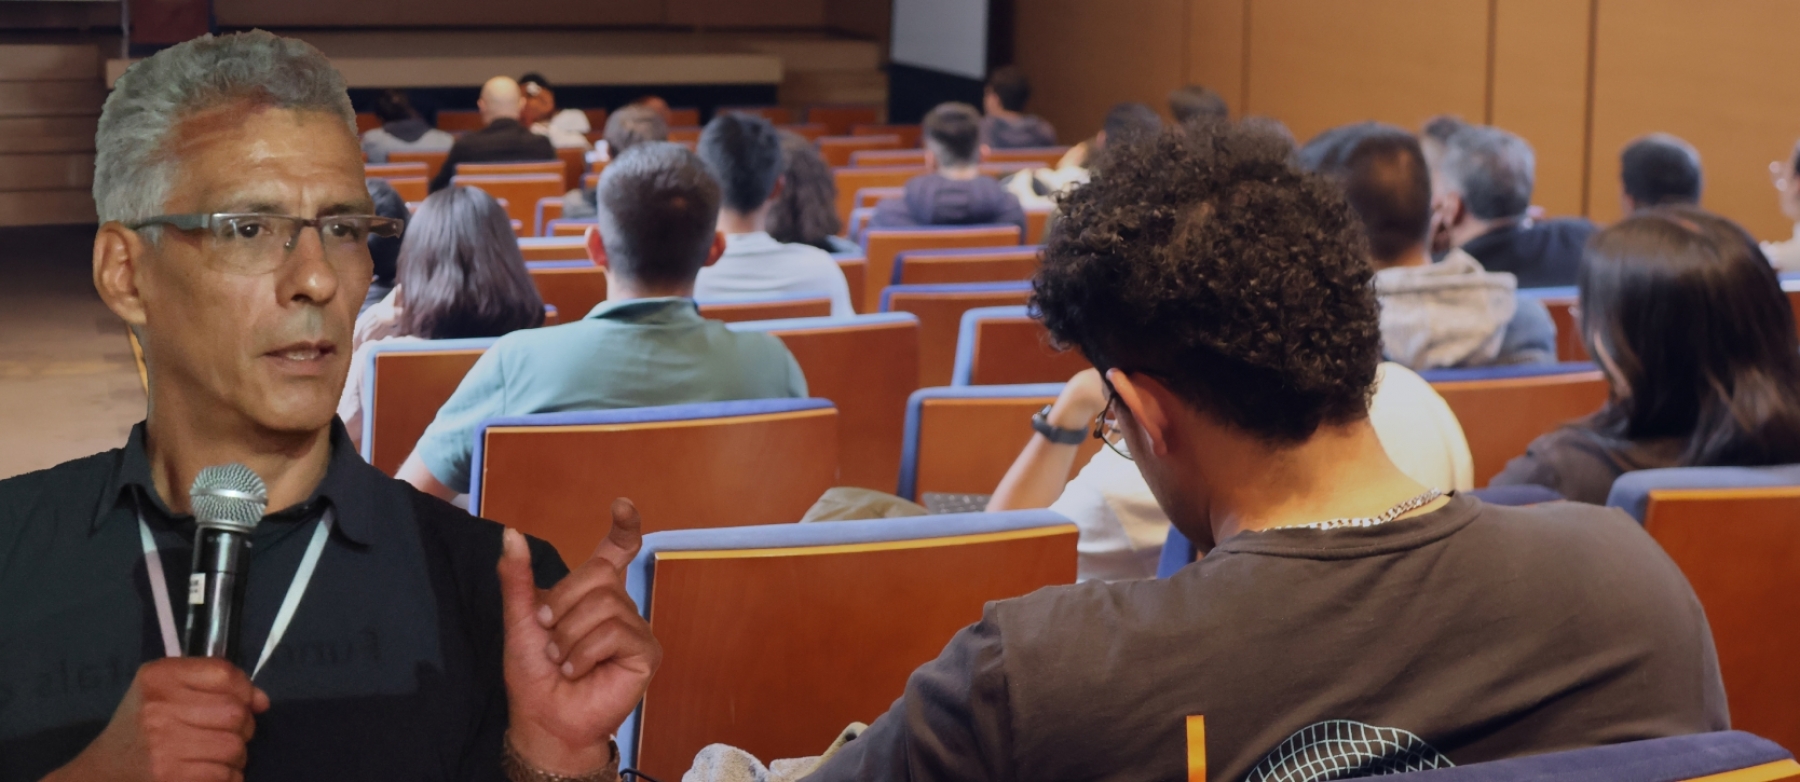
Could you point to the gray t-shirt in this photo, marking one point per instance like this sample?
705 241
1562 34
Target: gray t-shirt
1468 634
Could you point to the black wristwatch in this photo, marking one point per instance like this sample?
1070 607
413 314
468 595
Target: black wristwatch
1040 423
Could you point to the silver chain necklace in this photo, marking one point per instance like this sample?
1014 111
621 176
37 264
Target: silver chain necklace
1369 521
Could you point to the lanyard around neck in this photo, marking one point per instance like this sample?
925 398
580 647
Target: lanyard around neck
165 613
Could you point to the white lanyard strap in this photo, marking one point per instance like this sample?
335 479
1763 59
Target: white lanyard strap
165 615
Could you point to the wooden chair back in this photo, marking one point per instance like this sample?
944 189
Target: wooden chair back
888 157
995 264
511 167
868 197
1013 349
459 120
1037 157
685 134
553 248
849 180
567 228
837 149
548 209
841 120
939 309
856 272
684 118
1561 304
880 245
867 366
776 308
392 170
574 162
811 131
776 115
1037 222
963 440
1501 417
408 388
774 649
520 191
1740 550
574 287
432 158
596 119
411 189
554 475
366 122
910 135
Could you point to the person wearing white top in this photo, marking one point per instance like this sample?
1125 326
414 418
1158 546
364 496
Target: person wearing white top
1784 255
566 129
1121 527
744 153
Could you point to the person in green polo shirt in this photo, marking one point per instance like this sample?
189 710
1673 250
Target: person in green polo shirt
645 345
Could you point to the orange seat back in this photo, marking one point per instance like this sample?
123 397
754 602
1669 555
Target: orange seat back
966 445
888 157
1037 221
391 170
459 120
432 158
840 120
557 481
1037 157
682 118
837 149
851 179
596 119
684 135
909 134
882 244
366 122
856 271
409 387
997 265
574 164
1501 417
560 248
520 191
1740 550
411 189
511 167
775 649
573 290
940 318
776 115
1568 332
733 311
570 229
870 196
1014 350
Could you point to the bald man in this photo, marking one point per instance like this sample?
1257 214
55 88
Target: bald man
503 140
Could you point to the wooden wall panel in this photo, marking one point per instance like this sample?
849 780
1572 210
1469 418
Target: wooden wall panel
1083 56
868 18
1540 84
1708 72
742 13
1215 52
1316 64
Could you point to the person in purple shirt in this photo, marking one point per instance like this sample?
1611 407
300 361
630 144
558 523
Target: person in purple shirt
955 192
1006 125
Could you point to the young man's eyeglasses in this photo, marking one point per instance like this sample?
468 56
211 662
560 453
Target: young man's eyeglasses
1106 426
251 243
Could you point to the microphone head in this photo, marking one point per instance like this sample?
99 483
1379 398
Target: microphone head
228 497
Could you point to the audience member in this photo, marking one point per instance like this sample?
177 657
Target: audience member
565 129
646 345
1433 138
460 275
1659 170
1006 125
1694 333
1122 529
955 192
1040 186
1481 203
502 140
1227 300
1433 315
805 210
402 130
1194 103
625 128
655 104
384 250
1785 255
743 152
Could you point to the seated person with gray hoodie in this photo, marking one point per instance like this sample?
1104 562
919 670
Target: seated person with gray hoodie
955 192
1452 313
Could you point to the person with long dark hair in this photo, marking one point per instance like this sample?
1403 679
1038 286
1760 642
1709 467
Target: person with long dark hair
1687 320
460 274
805 211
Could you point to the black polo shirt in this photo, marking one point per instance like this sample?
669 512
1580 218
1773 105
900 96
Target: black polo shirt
390 669
502 141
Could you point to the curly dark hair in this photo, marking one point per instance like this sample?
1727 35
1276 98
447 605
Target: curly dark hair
1202 257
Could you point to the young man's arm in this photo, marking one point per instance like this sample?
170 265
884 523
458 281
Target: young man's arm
1037 477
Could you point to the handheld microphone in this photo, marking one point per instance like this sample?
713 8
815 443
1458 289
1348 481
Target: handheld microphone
228 501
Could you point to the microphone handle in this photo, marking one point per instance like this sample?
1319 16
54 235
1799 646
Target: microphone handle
216 593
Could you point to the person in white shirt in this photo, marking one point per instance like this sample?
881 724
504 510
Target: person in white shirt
744 153
1121 526
1784 255
566 129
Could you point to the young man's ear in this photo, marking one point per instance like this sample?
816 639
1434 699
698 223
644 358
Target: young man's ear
1147 404
117 251
596 248
718 248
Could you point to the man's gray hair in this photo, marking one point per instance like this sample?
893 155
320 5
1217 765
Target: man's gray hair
132 165
1493 170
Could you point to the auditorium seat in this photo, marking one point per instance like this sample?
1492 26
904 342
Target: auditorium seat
565 227
776 115
1001 170
778 307
459 120
888 157
1006 346
1037 220
432 158
859 222
392 170
849 180
1740 550
596 119
683 118
1632 491
811 131
575 287
774 638
870 196
856 270
403 385
940 310
981 264
962 440
521 192
909 134
1724 756
881 245
552 316
687 135
366 122
548 208
411 189
1502 409
553 248
713 464
511 167
1560 301
1037 157
837 149
591 179
574 161
867 366
840 120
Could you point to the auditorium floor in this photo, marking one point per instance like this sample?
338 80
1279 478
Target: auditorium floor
68 385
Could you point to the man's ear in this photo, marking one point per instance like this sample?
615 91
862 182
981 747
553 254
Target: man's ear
1149 404
596 248
118 251
718 248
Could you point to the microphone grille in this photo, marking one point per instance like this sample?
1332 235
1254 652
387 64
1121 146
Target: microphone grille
228 496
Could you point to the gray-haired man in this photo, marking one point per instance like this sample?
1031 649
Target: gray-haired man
377 641
1481 201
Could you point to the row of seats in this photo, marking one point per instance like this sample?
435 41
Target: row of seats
1560 301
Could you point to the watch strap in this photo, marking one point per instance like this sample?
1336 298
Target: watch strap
1040 423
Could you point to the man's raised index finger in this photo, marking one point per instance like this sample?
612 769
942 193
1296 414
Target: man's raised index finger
622 544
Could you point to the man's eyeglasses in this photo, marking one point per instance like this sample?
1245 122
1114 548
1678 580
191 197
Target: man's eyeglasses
1106 426
253 243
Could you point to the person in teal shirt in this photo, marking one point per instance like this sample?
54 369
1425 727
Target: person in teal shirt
646 345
